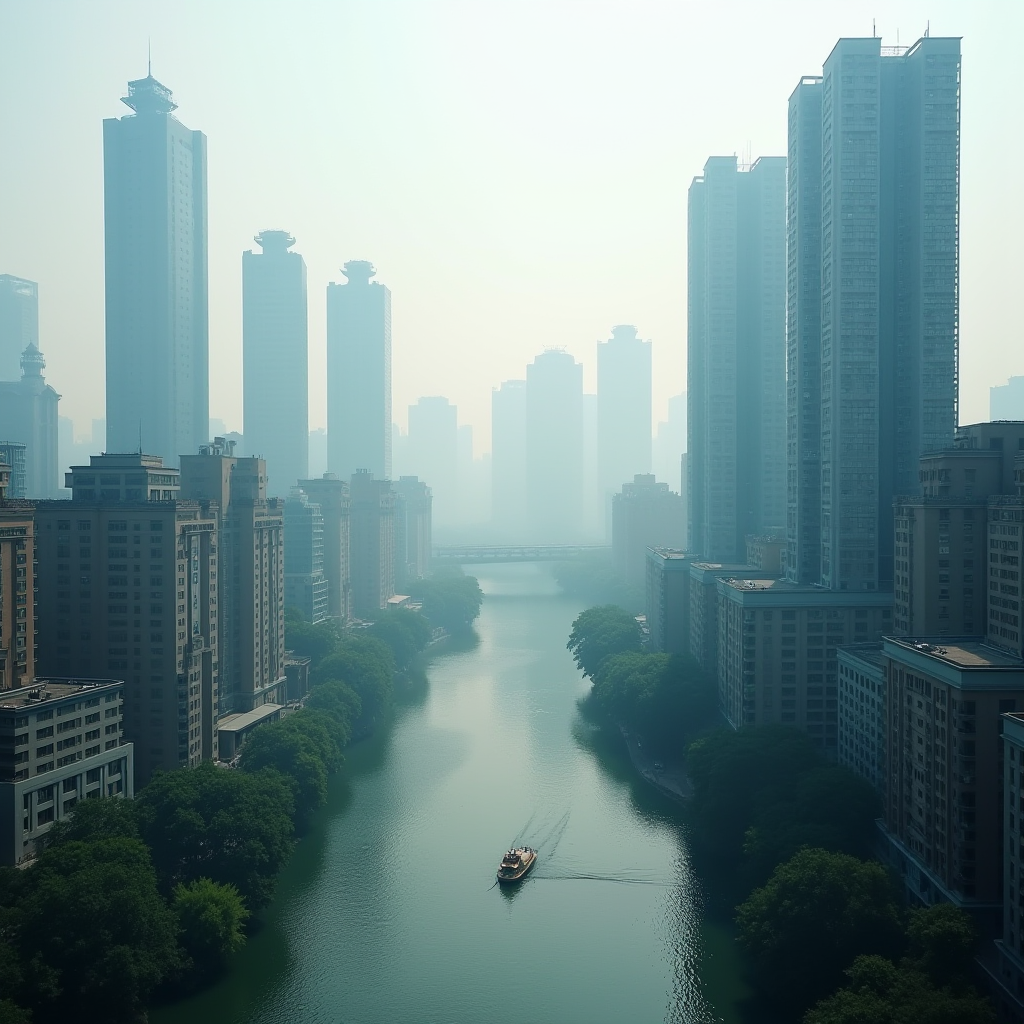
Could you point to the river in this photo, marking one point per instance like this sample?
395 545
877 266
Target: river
387 912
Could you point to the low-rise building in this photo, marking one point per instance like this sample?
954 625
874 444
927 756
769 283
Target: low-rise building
862 712
668 600
61 741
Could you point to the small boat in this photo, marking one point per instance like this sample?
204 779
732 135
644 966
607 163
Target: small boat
516 863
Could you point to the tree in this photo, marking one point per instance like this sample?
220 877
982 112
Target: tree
211 918
592 577
339 701
208 822
943 941
94 917
601 632
95 819
405 632
10 1013
364 664
313 641
452 602
817 912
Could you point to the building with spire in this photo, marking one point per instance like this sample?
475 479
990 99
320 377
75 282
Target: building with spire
19 322
275 364
359 374
155 244
28 414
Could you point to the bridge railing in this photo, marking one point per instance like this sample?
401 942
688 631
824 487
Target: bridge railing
513 552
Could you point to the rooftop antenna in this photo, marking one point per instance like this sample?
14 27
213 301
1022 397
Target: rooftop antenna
874 33
927 28
149 56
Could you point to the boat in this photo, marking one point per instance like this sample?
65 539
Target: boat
516 863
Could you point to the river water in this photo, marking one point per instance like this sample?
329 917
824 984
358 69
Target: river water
387 912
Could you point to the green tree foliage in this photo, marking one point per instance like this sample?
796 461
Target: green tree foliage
815 915
452 602
364 664
209 822
339 701
11 1013
943 941
406 633
881 993
211 918
314 642
96 930
600 632
593 578
95 819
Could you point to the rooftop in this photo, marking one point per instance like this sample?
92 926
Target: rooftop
961 652
871 652
43 690
247 719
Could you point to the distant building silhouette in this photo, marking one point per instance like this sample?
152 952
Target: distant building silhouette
623 411
19 322
1006 401
275 373
359 374
413 535
670 443
554 447
305 584
508 459
432 454
317 452
373 544
645 514
736 372
28 413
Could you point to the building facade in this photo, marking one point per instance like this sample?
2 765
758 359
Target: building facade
306 588
434 456
1008 974
17 590
736 354
1005 401
331 494
413 530
862 739
359 374
668 600
373 544
275 360
29 414
19 322
645 514
156 278
12 455
704 577
128 585
61 741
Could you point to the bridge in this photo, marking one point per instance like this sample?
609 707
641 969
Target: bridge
468 554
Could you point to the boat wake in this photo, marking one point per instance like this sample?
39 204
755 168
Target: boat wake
583 876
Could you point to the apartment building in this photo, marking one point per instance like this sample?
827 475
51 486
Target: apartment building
704 577
305 583
61 741
128 585
332 497
862 712
778 647
373 544
413 529
668 600
17 590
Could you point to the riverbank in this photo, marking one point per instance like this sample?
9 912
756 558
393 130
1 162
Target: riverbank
670 779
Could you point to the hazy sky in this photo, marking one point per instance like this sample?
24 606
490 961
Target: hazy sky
516 171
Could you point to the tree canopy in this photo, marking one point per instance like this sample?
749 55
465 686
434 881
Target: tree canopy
600 632
405 632
449 601
211 919
365 665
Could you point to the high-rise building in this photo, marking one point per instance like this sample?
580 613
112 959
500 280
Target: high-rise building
17 588
508 459
28 413
250 559
19 322
803 335
554 447
305 584
623 410
1009 973
331 494
645 514
862 737
110 602
359 374
736 361
12 456
433 455
669 444
1006 402
889 242
413 503
373 544
668 600
275 374
157 347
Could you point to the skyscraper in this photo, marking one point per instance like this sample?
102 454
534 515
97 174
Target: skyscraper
373 544
28 413
359 374
554 447
157 344
623 411
19 322
887 173
508 459
736 354
433 454
275 375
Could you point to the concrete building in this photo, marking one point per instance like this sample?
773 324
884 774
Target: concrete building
250 559
305 584
668 600
508 459
275 360
1005 401
670 444
128 585
373 544
156 276
704 577
767 552
623 414
862 737
943 806
413 536
1007 973
889 243
434 455
645 514
331 494
554 448
777 652
19 322
63 740
359 374
28 413
12 455
17 589
736 354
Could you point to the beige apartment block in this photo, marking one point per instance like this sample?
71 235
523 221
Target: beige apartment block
778 651
17 590
332 495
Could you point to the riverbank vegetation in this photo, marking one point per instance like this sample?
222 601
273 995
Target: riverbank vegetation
132 902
